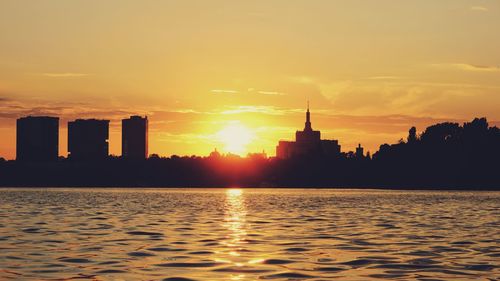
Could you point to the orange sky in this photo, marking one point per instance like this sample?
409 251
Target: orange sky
371 69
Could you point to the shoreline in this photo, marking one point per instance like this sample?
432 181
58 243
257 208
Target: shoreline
465 189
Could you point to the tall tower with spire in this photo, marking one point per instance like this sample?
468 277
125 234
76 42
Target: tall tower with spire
307 143
308 126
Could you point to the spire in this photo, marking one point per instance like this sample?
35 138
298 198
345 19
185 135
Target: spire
308 126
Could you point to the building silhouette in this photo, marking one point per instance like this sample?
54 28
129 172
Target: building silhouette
37 138
88 139
330 147
307 142
135 138
359 151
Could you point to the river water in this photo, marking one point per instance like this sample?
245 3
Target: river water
248 234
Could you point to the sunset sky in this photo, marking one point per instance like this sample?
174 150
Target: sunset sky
204 69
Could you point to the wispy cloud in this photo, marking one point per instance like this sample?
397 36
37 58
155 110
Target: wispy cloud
249 91
15 108
479 8
271 93
185 138
469 67
254 109
64 74
220 91
185 110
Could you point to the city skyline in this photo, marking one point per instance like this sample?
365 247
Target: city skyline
90 134
201 71
37 139
445 155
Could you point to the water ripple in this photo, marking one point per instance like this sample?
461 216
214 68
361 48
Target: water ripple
250 234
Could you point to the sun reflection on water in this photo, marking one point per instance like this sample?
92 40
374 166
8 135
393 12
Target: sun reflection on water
235 222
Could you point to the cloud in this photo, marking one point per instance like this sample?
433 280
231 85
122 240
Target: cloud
219 91
64 74
249 90
482 68
270 110
417 98
271 93
479 9
469 67
185 138
15 108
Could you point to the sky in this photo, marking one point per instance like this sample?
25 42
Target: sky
205 70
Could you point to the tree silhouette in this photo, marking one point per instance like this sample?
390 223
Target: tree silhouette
412 135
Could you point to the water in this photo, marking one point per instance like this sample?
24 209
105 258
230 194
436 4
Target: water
251 234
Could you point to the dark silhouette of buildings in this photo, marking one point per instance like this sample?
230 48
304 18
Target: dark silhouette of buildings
37 138
359 151
330 148
443 156
215 154
88 139
135 138
307 143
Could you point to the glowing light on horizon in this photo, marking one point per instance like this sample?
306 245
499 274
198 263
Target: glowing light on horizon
234 192
235 138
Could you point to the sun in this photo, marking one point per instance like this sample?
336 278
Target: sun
235 138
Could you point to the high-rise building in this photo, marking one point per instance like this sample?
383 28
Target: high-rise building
88 139
135 138
37 138
307 142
